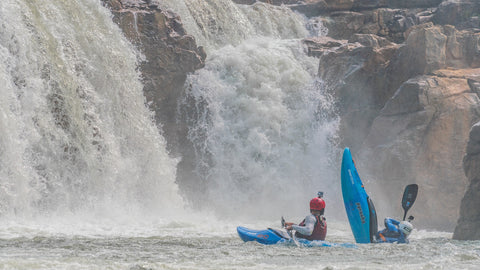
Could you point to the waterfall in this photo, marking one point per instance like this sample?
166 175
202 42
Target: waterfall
261 122
76 135
217 23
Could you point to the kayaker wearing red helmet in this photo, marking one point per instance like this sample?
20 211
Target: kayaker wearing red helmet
314 226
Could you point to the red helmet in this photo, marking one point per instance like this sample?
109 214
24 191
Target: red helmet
317 204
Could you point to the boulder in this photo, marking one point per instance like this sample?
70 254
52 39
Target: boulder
334 5
385 22
317 46
460 13
413 3
245 2
468 227
343 24
431 47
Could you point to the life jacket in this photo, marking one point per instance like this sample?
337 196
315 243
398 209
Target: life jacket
386 236
319 230
390 234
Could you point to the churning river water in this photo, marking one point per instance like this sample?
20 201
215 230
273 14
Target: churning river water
212 244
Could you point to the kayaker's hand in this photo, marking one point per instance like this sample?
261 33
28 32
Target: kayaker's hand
288 227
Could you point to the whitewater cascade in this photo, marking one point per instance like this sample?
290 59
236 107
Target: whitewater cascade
261 123
77 137
75 133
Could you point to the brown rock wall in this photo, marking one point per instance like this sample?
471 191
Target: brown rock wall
170 54
468 227
419 137
413 3
429 48
337 5
355 73
463 14
406 108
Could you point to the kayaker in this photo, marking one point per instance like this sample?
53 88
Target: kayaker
314 226
395 231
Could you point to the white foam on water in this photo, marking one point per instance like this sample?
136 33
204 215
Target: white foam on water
262 124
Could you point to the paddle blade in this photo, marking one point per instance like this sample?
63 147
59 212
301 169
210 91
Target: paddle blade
409 196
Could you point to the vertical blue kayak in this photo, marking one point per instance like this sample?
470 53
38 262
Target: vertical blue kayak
359 207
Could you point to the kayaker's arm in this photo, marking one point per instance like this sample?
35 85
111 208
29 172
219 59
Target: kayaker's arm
391 224
307 229
288 225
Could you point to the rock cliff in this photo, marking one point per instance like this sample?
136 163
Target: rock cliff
406 75
168 54
469 222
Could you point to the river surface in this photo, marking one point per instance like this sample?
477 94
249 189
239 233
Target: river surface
210 244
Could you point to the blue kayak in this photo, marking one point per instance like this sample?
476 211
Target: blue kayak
266 237
272 236
358 205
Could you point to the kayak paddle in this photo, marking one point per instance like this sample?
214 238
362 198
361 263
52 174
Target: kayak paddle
290 233
409 196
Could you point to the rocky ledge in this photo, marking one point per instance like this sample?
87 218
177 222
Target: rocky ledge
169 55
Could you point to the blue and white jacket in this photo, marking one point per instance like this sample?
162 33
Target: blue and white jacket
391 233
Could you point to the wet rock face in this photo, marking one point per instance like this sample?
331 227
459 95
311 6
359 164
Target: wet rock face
430 47
407 95
170 54
406 119
462 14
468 227
436 73
419 137
355 71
